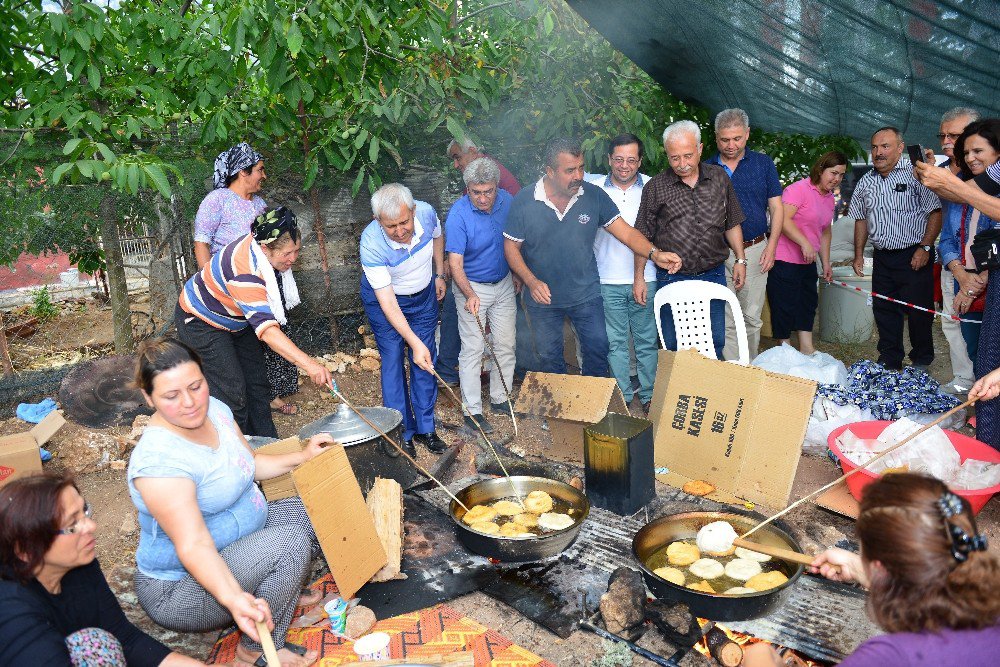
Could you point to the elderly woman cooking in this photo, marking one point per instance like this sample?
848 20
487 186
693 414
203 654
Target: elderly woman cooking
212 550
55 605
932 585
231 303
225 215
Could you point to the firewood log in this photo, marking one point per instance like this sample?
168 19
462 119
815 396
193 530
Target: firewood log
727 652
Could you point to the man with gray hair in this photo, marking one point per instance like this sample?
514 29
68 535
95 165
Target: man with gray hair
755 179
692 209
549 244
402 262
474 231
953 123
464 152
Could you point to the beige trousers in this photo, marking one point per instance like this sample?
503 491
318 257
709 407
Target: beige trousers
751 298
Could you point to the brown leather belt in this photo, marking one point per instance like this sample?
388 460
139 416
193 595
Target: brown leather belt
753 242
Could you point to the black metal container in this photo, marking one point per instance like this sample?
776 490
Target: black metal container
370 455
618 461
716 607
518 549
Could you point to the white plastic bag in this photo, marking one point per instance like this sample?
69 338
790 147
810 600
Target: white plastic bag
974 475
826 417
819 366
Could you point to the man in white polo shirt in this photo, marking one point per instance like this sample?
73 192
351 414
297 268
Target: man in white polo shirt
628 281
402 261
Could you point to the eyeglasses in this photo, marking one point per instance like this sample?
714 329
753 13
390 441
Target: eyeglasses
620 161
482 193
75 528
948 135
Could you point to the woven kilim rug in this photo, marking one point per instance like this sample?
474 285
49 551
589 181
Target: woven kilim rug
432 631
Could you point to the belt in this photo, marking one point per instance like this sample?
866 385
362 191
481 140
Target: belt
753 242
410 296
488 282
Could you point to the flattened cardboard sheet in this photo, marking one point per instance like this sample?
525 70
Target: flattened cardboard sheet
839 499
282 486
739 428
569 403
333 499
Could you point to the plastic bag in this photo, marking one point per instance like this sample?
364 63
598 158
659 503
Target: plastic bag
827 417
974 475
819 366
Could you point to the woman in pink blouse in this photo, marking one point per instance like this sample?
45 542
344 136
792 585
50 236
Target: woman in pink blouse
792 289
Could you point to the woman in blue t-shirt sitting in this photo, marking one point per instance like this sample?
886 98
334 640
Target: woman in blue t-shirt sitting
932 585
212 550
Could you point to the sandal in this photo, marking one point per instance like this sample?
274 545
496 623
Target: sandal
308 594
287 409
294 648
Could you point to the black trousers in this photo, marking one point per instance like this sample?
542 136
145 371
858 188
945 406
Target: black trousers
792 293
233 364
892 276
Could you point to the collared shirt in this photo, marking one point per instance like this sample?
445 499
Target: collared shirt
508 181
559 247
407 267
478 237
615 262
691 222
813 214
229 292
896 206
755 180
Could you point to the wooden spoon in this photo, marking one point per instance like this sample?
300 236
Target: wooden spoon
776 552
267 643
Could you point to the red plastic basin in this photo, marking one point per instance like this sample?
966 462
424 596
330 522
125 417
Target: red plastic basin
967 448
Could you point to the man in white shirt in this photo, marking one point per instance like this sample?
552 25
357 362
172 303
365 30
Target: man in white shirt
628 281
402 262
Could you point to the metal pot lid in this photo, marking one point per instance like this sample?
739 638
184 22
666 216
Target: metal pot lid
348 429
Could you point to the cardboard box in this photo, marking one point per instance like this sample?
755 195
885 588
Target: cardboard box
569 403
283 486
340 517
19 455
739 428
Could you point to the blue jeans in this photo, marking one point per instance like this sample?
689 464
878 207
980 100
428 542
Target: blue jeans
717 309
450 345
588 318
623 315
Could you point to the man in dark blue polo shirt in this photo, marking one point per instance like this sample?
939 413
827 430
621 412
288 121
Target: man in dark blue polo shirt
755 179
549 244
483 287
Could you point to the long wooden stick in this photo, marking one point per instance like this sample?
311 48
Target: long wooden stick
480 428
267 643
864 466
496 362
336 392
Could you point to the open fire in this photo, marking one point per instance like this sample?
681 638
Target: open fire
725 646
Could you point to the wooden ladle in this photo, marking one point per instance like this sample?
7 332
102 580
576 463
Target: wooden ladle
775 552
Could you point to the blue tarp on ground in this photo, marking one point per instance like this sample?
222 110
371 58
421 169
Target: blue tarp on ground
816 66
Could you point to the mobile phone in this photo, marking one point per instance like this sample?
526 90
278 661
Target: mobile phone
916 152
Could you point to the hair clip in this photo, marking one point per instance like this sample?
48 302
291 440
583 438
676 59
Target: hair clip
950 505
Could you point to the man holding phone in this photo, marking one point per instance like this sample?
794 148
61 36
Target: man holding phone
903 219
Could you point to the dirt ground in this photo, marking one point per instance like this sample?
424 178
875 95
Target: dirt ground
84 328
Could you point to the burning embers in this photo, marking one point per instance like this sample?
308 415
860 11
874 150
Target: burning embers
725 646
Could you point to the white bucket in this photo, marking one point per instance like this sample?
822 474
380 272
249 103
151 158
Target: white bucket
845 316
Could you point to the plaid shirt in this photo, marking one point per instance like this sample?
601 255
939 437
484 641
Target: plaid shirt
690 221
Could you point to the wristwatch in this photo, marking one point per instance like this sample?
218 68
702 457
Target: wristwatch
925 248
441 276
742 261
652 249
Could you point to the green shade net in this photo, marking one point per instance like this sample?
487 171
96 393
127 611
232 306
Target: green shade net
816 66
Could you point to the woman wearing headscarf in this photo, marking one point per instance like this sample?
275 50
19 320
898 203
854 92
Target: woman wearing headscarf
225 215
234 304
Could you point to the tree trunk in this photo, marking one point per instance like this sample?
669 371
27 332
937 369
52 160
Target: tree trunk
124 343
164 280
5 363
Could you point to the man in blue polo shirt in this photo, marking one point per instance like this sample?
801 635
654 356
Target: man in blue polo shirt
755 179
484 287
402 262
549 244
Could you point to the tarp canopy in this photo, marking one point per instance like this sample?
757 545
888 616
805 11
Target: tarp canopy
816 66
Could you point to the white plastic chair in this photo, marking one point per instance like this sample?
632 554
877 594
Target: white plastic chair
690 302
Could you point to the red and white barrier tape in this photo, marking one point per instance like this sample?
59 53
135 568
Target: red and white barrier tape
956 318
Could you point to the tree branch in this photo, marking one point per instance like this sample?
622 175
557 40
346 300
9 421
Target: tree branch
495 5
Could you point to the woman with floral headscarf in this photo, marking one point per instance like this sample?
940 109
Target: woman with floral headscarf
234 304
225 215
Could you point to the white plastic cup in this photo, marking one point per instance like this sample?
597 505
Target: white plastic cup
373 647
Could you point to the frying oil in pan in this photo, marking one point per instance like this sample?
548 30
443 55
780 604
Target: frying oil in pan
558 507
721 584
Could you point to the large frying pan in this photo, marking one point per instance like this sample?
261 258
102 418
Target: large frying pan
660 532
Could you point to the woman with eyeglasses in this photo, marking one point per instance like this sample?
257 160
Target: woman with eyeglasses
55 605
932 584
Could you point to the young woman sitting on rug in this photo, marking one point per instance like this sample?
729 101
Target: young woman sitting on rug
211 549
932 585
55 605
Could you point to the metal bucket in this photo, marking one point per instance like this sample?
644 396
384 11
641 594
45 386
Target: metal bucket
370 455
